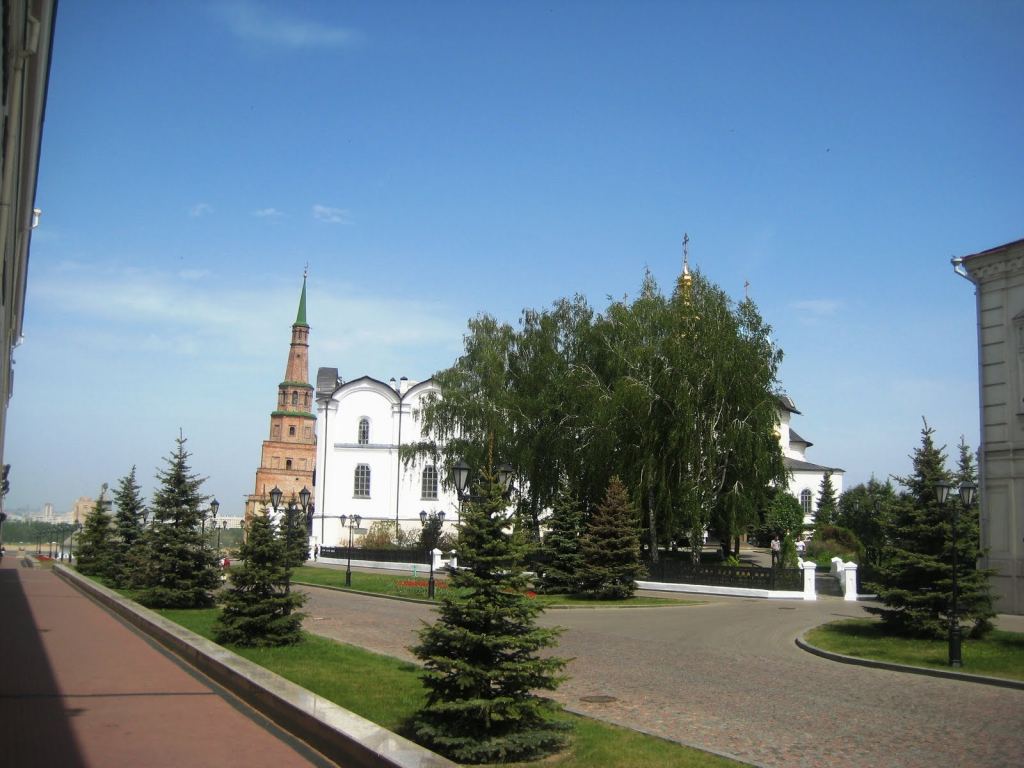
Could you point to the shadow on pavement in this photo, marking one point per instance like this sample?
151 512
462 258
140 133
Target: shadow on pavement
33 717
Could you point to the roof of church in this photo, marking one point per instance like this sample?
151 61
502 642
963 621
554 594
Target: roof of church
300 318
787 402
795 438
806 466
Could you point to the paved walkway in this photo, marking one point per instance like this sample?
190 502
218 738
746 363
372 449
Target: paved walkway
727 676
80 689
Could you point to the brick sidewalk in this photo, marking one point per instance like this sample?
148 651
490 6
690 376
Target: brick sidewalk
80 688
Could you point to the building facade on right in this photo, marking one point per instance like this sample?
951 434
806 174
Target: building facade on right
998 275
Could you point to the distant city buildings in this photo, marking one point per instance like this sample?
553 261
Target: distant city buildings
998 275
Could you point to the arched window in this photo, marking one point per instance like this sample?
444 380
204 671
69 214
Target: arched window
428 483
287 463
805 501
364 431
291 431
295 398
361 488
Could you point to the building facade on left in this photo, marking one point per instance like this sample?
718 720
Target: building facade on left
26 52
289 452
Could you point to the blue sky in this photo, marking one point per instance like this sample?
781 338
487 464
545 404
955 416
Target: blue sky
434 160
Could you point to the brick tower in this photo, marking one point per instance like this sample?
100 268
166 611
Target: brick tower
290 454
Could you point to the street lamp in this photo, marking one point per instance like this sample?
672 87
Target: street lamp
353 522
275 498
223 525
439 516
966 492
214 506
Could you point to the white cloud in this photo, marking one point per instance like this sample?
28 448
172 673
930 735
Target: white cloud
253 22
817 307
267 213
200 209
331 215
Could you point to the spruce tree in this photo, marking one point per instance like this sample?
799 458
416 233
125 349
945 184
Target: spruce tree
826 512
480 658
610 547
180 570
259 609
128 527
915 577
562 548
96 551
294 536
974 600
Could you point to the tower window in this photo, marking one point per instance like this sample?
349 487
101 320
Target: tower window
291 431
295 398
361 489
364 431
805 501
428 483
287 463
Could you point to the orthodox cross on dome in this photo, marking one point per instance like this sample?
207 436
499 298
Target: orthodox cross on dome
685 283
746 289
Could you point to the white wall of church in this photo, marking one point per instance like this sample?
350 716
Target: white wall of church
394 490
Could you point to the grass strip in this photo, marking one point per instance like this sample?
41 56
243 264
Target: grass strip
415 586
1000 654
388 692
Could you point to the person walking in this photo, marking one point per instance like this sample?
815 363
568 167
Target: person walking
776 550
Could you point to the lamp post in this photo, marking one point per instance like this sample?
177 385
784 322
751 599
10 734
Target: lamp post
460 477
966 492
438 516
353 522
214 506
223 525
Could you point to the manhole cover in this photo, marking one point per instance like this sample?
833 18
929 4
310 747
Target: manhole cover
599 699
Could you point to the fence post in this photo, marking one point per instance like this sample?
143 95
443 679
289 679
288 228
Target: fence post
809 568
850 582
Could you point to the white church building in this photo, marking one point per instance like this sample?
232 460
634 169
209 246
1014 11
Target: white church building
805 478
362 424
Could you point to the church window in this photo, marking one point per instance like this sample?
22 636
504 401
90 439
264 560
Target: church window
428 483
361 489
364 431
295 398
805 501
291 431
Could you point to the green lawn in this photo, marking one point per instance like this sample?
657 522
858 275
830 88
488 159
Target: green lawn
1000 654
416 587
341 673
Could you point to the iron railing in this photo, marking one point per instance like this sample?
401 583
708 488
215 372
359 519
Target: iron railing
672 571
378 555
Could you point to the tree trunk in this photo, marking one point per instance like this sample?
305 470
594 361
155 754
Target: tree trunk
653 528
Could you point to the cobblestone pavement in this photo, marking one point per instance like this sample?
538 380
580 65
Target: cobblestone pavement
726 676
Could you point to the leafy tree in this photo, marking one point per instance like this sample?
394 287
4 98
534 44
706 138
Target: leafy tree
562 547
826 512
382 534
480 658
259 609
610 549
129 525
96 549
180 570
915 576
863 509
785 516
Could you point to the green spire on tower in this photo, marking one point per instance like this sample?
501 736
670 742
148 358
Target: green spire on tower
300 318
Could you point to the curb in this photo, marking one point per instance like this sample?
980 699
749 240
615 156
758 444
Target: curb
342 736
999 682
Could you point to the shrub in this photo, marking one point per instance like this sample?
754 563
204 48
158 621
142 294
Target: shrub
835 541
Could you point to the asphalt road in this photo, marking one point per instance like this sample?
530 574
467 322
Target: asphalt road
726 676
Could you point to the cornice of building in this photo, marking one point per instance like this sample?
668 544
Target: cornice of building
297 414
